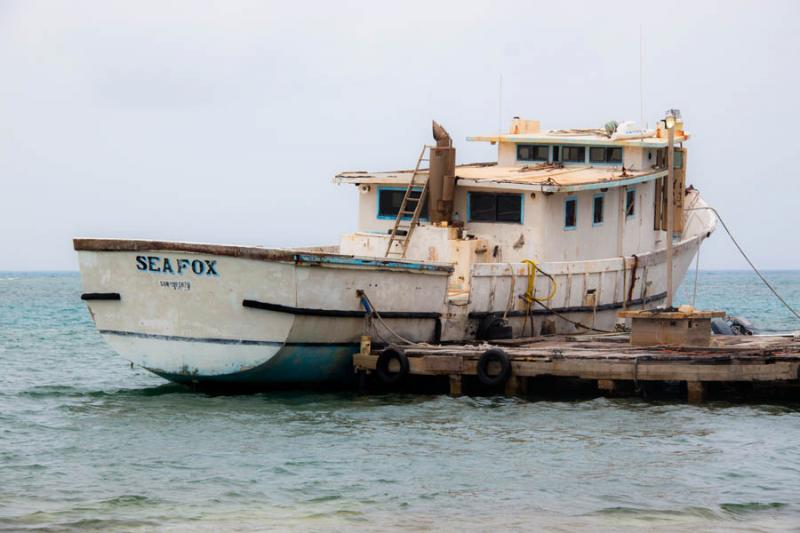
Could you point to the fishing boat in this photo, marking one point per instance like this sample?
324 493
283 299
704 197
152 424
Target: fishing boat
563 231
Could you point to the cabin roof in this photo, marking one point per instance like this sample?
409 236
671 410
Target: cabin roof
585 137
538 177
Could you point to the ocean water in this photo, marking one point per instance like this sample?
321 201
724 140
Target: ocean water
88 443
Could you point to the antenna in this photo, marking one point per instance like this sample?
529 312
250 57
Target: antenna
642 124
500 105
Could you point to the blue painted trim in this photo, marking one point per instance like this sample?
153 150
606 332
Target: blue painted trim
566 200
365 262
211 340
378 203
627 191
594 207
207 340
521 207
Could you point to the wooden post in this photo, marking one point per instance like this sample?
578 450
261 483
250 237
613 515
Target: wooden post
455 385
517 386
366 345
670 209
696 391
606 386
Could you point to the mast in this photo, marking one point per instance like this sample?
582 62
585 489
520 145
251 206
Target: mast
669 121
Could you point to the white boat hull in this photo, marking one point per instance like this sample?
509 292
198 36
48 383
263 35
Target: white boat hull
263 316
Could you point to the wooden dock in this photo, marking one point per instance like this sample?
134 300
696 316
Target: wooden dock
613 365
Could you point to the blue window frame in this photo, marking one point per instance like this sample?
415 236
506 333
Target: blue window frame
495 207
598 209
570 213
390 199
630 203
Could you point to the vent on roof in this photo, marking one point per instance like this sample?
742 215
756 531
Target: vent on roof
519 125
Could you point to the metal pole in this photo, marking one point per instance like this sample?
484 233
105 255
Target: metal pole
670 208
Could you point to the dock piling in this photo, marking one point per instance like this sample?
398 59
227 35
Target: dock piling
456 384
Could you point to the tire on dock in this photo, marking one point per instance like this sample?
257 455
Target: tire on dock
497 356
383 368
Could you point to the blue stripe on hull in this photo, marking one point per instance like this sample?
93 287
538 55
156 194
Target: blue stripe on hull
294 364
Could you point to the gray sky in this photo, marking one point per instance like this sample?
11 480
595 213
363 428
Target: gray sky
225 121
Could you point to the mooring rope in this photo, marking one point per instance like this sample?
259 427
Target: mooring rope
696 273
741 251
371 311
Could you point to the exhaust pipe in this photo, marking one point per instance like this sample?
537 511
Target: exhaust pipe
441 177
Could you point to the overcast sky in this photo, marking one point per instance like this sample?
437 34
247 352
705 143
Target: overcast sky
225 121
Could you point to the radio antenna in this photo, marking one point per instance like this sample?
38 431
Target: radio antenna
500 105
642 124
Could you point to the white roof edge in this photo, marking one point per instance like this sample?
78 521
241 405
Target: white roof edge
648 142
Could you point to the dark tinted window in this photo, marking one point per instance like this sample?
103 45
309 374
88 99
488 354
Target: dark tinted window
570 212
556 153
605 154
488 207
597 216
630 203
532 152
574 154
597 154
482 207
389 201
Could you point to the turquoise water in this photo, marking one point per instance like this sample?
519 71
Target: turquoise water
88 443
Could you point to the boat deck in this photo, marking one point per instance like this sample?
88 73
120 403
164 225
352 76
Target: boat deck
614 364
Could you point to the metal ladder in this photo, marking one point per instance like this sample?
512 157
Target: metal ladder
403 227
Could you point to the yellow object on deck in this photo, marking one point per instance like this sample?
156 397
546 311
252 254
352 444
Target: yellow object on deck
529 294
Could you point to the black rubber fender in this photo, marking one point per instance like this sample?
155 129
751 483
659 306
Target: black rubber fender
494 355
384 360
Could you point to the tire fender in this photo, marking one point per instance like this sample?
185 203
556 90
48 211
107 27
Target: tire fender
385 358
493 355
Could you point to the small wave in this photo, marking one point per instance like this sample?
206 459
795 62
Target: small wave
62 391
657 514
742 509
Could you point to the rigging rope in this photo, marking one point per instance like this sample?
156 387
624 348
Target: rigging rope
741 251
696 273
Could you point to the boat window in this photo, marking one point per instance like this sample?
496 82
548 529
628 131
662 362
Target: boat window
389 200
605 154
532 152
556 154
597 210
574 154
630 202
490 207
597 154
570 212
